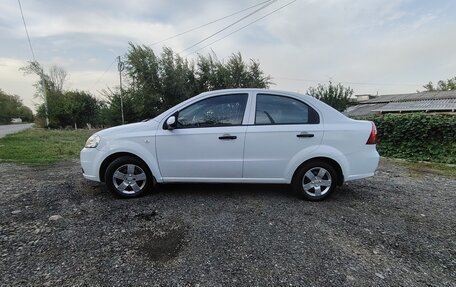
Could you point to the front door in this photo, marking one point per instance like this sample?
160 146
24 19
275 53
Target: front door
208 142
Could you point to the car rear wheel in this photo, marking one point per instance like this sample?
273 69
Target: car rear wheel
315 180
128 177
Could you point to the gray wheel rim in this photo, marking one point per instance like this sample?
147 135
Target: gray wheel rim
316 182
129 179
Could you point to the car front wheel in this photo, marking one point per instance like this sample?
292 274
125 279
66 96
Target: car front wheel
315 180
128 177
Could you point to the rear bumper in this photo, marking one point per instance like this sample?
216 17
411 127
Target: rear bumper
362 164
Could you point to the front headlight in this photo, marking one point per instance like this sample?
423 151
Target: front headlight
93 141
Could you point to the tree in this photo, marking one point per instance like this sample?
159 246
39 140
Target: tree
57 76
158 82
11 107
52 81
110 111
65 108
50 89
212 74
447 85
337 96
82 107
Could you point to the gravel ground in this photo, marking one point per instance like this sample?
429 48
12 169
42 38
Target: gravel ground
394 229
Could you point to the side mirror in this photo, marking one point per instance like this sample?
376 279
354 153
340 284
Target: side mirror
171 123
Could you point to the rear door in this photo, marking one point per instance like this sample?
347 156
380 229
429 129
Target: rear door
282 128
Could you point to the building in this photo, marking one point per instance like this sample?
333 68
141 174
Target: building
438 101
364 97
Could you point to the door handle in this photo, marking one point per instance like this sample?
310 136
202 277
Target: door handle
227 137
305 135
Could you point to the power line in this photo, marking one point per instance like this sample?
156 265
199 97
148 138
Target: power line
237 30
226 27
102 75
46 112
26 31
209 23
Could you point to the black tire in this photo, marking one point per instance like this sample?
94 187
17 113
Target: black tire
128 177
321 186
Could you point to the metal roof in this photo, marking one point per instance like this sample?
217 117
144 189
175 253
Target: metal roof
424 105
437 95
363 110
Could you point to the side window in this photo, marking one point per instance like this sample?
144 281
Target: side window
275 110
226 110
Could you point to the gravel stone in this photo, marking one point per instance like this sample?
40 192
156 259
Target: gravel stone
55 217
371 232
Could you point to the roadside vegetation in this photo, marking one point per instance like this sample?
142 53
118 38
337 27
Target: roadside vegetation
42 146
417 136
11 107
152 84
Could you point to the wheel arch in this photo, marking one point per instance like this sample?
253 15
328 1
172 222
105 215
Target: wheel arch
330 161
104 165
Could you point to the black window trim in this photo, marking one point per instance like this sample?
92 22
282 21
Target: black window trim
283 124
210 97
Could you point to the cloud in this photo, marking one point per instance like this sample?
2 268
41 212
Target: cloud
13 80
377 45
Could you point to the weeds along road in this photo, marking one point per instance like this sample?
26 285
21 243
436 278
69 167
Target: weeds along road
11 129
395 229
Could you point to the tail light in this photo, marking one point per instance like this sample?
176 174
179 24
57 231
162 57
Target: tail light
373 135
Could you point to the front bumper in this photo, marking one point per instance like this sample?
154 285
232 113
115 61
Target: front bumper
90 163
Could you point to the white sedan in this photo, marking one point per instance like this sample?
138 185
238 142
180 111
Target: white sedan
236 136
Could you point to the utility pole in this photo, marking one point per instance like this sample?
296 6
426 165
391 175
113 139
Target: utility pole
120 68
45 98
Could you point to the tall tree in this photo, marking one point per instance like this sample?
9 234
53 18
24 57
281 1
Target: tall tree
52 80
337 96
57 76
213 74
158 82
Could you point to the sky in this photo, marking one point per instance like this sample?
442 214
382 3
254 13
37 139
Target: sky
373 46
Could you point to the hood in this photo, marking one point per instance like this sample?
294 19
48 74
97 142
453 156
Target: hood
125 130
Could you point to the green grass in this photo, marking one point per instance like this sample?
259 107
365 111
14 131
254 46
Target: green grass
427 168
41 146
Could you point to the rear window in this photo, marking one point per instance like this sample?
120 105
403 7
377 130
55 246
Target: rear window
282 110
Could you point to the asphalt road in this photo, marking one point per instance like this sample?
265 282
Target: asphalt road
11 129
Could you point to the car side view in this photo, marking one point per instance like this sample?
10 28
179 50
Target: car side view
236 136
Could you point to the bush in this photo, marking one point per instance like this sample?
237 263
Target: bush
417 136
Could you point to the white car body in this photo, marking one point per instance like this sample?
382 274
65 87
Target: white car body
266 153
